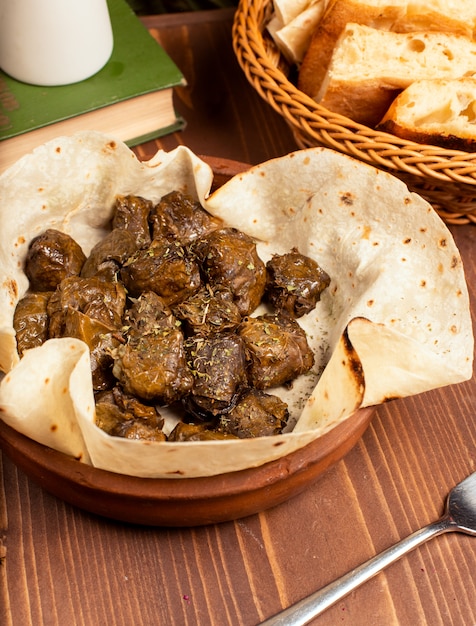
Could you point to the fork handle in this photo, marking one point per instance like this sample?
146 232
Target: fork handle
303 611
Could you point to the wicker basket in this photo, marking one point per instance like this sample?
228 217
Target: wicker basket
446 178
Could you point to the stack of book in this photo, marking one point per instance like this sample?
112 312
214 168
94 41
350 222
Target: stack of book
130 98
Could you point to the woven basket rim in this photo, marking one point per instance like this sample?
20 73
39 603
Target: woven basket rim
308 119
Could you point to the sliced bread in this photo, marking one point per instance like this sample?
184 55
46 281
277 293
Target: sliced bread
436 112
369 67
451 16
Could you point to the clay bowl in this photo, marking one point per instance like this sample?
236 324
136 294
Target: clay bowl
183 501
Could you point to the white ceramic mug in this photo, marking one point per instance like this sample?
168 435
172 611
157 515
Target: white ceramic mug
54 42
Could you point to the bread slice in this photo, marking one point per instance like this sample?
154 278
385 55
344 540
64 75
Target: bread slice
436 112
452 16
369 67
339 13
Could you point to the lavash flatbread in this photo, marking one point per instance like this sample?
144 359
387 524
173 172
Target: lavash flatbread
293 24
394 321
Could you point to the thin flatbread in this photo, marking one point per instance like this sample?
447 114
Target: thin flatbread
394 321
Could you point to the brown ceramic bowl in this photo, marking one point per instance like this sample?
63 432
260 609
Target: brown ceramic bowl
183 501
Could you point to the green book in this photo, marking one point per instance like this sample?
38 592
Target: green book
130 98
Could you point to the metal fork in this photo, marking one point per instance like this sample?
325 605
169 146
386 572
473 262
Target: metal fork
460 515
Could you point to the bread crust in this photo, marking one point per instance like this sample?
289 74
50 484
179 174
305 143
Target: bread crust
457 17
447 141
364 102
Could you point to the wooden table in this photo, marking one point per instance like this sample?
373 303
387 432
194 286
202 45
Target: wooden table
61 566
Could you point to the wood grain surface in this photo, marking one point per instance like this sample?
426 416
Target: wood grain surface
61 566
